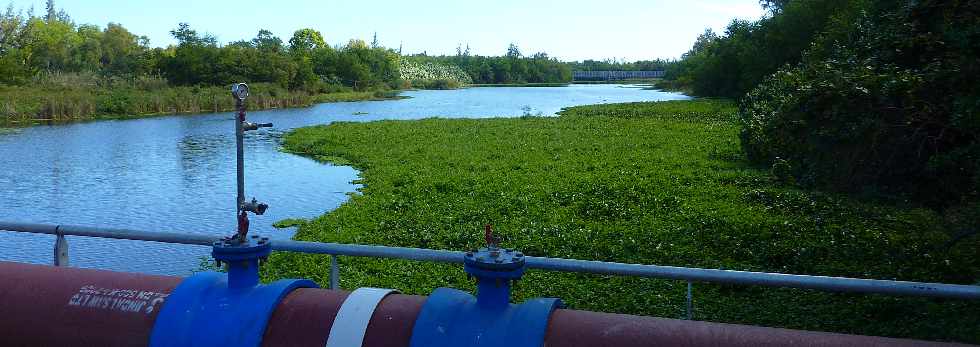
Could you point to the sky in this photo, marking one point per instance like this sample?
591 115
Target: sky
569 30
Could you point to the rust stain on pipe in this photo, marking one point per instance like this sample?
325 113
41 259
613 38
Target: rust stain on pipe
53 306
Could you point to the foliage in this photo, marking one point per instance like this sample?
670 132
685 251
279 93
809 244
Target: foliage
731 64
512 68
421 73
888 102
289 223
31 45
654 183
616 65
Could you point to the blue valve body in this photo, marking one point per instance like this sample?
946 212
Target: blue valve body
453 317
215 309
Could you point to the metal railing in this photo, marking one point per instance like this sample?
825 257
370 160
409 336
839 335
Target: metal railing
690 275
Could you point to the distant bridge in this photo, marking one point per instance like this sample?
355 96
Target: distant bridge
615 75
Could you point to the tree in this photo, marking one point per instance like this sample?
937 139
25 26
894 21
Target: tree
267 42
119 48
774 6
513 51
306 40
703 42
88 54
52 12
11 23
187 36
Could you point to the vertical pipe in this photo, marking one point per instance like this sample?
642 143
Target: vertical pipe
243 273
60 250
240 153
334 273
690 298
492 293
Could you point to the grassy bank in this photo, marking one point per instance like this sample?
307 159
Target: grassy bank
654 183
67 103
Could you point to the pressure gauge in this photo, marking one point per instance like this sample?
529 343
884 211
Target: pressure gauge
239 91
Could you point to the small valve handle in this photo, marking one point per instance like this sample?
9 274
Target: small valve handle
255 126
242 226
489 238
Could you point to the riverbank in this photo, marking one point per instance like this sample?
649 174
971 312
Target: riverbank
654 183
21 106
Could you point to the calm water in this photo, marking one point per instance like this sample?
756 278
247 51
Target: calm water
176 173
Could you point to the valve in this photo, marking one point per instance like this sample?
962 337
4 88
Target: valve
247 126
255 207
452 317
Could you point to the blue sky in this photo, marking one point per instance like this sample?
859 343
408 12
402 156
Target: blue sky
569 30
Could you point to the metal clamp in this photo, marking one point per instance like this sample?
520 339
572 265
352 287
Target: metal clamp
351 322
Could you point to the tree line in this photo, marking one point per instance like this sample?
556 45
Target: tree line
32 45
621 65
511 68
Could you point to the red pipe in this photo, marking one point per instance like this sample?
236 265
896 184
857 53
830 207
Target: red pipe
45 305
58 306
305 316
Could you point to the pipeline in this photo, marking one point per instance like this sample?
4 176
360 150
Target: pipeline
57 306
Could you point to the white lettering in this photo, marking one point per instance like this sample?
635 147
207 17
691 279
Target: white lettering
115 299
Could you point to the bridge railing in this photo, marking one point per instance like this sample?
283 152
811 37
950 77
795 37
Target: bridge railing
690 275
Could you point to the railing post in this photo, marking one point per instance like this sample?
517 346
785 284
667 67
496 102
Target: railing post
60 248
690 298
334 273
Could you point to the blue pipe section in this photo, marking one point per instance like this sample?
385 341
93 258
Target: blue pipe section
452 317
215 309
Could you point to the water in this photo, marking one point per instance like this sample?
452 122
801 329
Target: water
177 173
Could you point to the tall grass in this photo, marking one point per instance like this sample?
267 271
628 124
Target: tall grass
62 97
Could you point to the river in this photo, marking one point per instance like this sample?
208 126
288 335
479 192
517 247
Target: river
177 173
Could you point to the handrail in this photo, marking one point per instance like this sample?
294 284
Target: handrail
822 283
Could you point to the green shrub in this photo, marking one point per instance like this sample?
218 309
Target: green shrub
888 104
440 84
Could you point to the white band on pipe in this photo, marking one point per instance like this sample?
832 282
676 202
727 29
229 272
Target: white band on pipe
355 313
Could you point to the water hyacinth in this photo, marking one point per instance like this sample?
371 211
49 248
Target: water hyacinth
655 183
